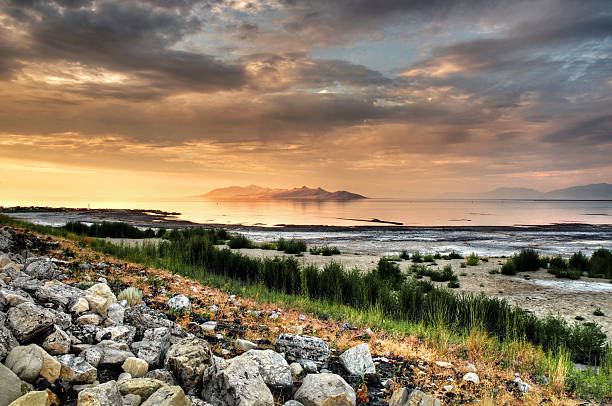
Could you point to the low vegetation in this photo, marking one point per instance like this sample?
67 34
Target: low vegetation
325 250
385 288
472 260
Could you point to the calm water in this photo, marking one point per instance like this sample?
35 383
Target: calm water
459 213
408 212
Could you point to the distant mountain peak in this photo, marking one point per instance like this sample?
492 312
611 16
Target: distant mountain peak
597 191
254 192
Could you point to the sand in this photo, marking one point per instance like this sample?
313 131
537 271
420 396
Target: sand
542 294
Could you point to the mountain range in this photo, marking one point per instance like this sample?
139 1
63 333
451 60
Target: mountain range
254 192
599 191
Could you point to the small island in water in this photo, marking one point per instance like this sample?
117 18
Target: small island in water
254 192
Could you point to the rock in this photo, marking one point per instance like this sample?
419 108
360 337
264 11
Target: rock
25 361
522 386
298 348
106 394
10 389
62 320
143 387
154 346
80 305
51 367
57 343
186 360
358 361
238 384
325 389
103 291
135 367
448 388
197 401
59 294
90 318
403 397
123 334
37 398
144 318
163 375
272 367
42 269
471 377
115 313
131 400
244 345
113 354
209 326
11 298
443 364
25 282
93 356
27 320
76 369
470 367
292 403
7 342
296 369
168 396
180 304
123 376
308 365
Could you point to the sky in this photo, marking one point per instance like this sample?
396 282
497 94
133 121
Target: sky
118 99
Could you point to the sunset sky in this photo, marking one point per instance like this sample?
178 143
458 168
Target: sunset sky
166 98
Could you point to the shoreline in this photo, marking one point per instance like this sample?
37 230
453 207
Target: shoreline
162 219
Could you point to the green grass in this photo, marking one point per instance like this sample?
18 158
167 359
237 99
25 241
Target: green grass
472 260
240 241
291 246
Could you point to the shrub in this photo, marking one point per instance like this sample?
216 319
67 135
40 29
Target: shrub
328 251
509 268
472 259
132 295
579 261
453 285
600 264
291 246
315 250
453 255
463 265
493 271
561 269
404 255
389 271
598 312
428 258
587 343
527 260
416 257
239 241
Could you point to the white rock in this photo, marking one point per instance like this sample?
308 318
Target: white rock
135 367
471 377
180 304
358 360
244 345
325 389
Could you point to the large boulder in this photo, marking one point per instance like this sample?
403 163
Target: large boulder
273 368
106 394
405 397
358 361
154 345
28 320
41 268
13 297
37 398
240 383
144 318
325 390
115 313
30 361
143 387
10 387
300 348
59 294
168 396
114 354
163 375
99 297
186 360
76 369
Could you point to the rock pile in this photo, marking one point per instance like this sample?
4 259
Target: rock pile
60 344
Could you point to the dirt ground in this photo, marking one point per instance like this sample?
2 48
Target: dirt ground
542 293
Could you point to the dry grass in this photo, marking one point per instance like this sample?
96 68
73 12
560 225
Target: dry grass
477 348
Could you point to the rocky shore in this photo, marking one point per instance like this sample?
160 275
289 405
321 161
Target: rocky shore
64 342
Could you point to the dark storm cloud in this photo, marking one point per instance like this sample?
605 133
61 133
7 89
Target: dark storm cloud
593 131
126 37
